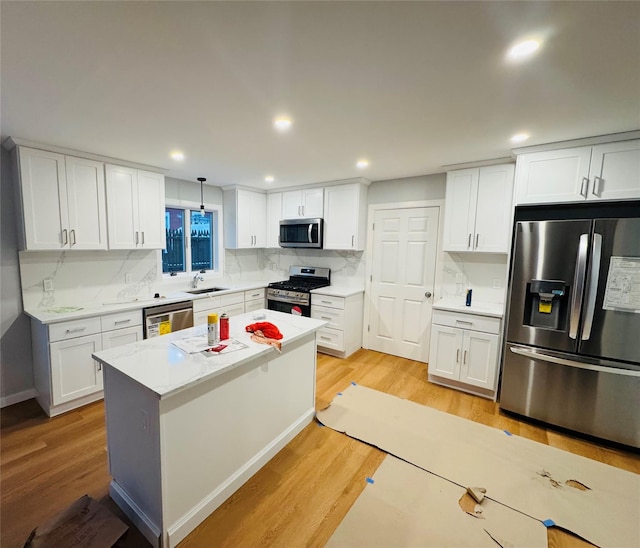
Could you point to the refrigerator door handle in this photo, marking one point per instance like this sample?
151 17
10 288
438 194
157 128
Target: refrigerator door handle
578 286
592 286
531 354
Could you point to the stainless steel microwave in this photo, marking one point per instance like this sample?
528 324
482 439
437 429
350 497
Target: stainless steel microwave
301 233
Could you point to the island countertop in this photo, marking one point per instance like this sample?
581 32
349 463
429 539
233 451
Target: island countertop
165 369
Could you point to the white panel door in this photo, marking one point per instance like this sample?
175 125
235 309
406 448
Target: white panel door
151 210
403 271
615 171
445 355
118 337
479 359
74 373
87 206
313 202
341 217
122 207
44 200
274 214
259 219
292 204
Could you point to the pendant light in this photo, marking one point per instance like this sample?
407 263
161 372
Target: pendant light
202 180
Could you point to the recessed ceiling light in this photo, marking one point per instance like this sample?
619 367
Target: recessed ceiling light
269 178
519 137
282 123
523 49
177 155
361 164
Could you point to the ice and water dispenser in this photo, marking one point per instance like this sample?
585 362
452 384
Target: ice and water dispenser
546 304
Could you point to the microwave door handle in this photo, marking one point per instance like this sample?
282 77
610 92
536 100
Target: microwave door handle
592 286
309 232
578 286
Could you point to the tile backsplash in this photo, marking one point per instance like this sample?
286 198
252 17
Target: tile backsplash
480 272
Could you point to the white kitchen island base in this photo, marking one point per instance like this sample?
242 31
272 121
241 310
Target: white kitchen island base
176 457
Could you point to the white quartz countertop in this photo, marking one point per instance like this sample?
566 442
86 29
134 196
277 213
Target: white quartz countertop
163 368
456 304
338 290
60 313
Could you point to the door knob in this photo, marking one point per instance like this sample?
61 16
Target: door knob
427 294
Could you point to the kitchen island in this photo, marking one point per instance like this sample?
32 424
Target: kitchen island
186 430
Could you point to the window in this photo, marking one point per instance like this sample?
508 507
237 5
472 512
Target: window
193 240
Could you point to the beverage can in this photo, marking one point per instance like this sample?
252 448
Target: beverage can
224 327
212 329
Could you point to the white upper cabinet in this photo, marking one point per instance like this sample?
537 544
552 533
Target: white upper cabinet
592 173
274 214
135 206
478 209
307 203
245 219
63 201
345 216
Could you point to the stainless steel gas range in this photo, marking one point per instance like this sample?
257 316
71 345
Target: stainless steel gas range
293 296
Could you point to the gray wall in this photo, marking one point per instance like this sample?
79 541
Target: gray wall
409 189
16 372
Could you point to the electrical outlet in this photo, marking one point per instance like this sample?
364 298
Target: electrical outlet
497 283
127 278
48 284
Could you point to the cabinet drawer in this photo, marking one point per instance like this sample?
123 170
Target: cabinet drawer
254 294
256 304
331 338
334 316
327 300
74 328
120 320
232 298
472 322
203 305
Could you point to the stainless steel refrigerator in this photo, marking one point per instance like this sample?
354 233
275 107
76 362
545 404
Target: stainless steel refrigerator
572 344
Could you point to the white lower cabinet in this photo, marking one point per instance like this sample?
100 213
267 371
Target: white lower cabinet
254 299
66 376
342 336
464 352
230 304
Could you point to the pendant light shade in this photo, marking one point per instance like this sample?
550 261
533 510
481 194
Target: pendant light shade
202 180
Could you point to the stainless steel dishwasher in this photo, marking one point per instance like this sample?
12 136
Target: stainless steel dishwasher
167 318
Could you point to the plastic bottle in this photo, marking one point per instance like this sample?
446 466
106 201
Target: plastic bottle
468 301
224 327
213 336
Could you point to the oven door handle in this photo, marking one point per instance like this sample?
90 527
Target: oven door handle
309 232
572 363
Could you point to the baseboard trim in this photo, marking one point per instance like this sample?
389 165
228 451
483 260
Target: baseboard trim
149 529
11 399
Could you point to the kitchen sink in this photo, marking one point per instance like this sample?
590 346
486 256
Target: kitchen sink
206 290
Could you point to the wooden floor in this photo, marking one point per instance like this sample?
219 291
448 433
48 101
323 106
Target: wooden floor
297 499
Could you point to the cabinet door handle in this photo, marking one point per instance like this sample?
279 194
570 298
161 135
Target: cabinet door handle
99 366
457 355
464 322
353 239
65 239
325 317
137 237
143 237
73 235
596 186
584 187
122 321
325 338
477 238
469 242
326 302
464 359
302 208
76 330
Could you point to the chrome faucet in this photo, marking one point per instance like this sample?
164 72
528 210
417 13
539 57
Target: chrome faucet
194 282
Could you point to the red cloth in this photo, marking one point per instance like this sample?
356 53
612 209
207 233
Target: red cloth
267 328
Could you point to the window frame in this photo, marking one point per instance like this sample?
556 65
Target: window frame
188 206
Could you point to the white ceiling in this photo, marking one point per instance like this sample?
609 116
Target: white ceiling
411 86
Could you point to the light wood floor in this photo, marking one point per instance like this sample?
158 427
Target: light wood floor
297 499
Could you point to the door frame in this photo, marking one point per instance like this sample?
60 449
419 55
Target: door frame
437 285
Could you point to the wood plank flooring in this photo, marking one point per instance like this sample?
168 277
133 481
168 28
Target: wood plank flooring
297 499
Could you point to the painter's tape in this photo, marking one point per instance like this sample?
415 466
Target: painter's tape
507 433
353 383
339 393
548 523
369 480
